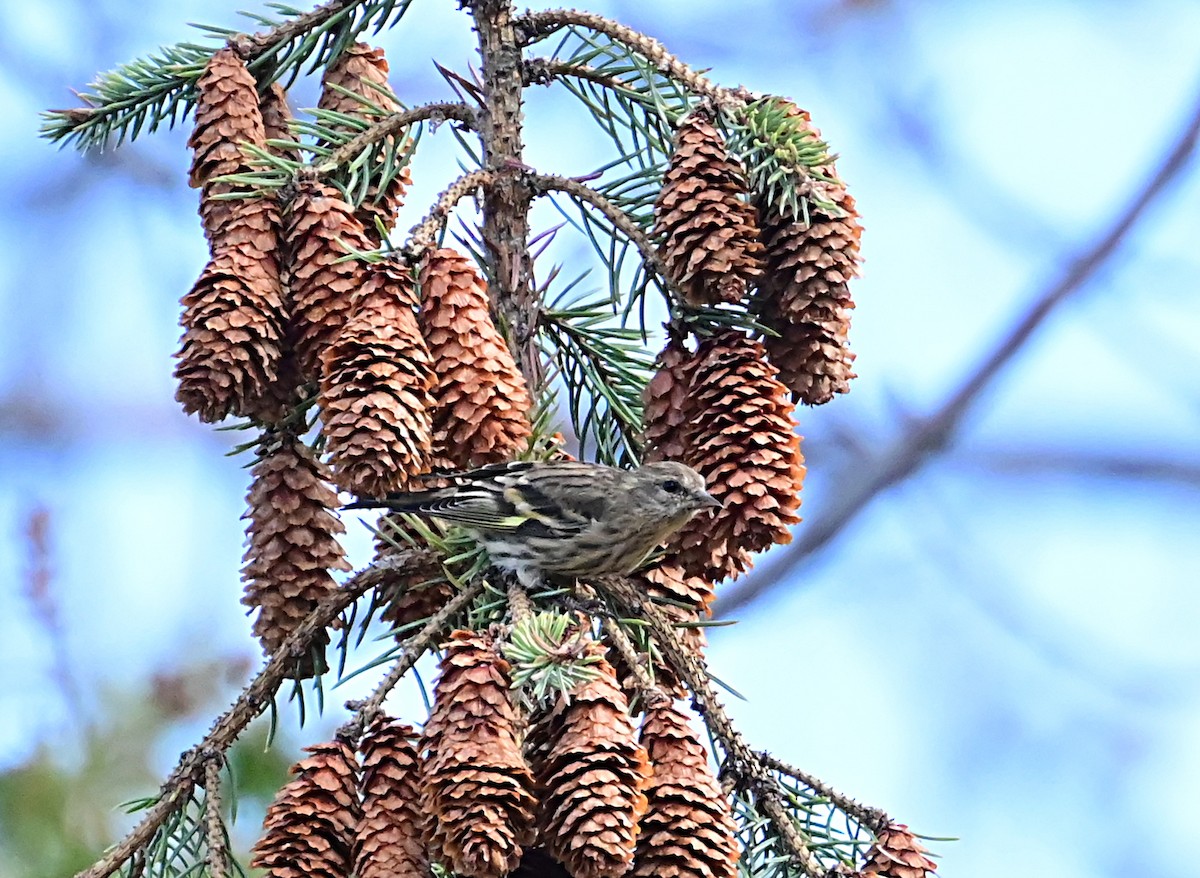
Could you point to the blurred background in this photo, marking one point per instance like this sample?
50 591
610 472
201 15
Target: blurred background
987 622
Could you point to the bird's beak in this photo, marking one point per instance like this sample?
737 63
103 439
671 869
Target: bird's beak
708 500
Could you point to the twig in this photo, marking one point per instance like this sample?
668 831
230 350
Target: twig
414 648
519 604
874 819
652 695
534 26
394 124
754 775
424 233
254 699
544 183
931 435
217 855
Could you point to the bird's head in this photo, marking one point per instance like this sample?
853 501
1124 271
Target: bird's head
672 491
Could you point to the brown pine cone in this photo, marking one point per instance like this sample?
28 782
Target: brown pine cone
742 439
293 546
309 828
688 829
376 376
805 294
322 281
227 114
592 771
277 118
363 71
231 350
666 403
482 413
476 789
709 232
897 854
390 841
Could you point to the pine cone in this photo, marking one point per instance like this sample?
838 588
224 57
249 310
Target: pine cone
814 359
592 771
482 402
807 284
666 399
688 829
390 843
293 545
742 439
309 828
320 228
414 593
897 854
363 71
277 118
476 788
709 233
376 376
227 114
231 350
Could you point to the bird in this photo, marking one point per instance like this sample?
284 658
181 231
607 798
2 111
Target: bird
562 518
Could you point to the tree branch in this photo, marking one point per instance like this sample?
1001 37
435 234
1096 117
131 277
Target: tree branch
394 124
424 233
534 26
253 700
932 434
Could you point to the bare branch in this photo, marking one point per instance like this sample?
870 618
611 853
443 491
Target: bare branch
393 124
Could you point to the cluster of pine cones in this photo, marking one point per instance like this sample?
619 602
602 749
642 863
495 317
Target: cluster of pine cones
580 793
411 373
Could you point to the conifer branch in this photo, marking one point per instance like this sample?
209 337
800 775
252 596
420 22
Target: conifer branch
534 26
423 235
177 790
218 853
651 695
752 773
392 125
874 819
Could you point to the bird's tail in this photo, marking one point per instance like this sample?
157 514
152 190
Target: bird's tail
414 501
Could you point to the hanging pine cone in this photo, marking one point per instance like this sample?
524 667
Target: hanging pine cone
231 349
666 406
592 771
390 842
277 118
413 592
363 71
293 545
309 828
482 402
709 233
688 829
227 114
743 441
897 854
476 788
321 231
376 376
805 295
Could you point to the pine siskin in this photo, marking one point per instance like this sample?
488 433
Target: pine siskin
563 517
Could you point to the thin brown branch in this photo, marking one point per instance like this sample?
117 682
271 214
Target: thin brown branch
1168 470
424 233
414 648
176 791
873 818
545 183
520 607
651 695
542 71
931 435
394 124
535 26
754 776
214 827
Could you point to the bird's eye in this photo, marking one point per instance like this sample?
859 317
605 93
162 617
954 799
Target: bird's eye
672 487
